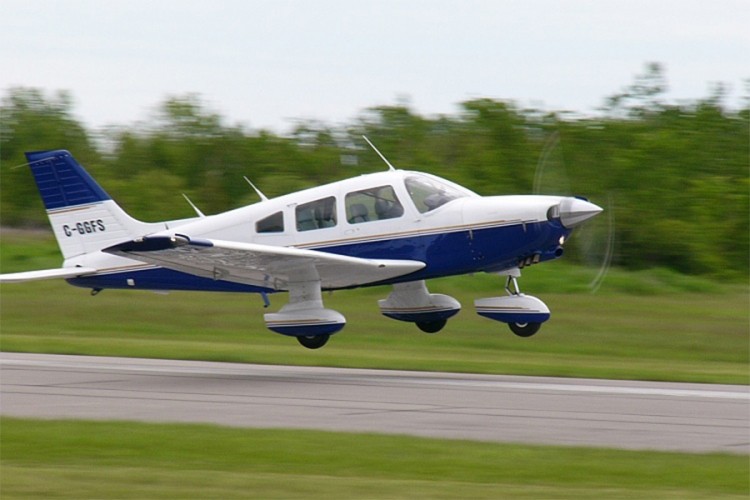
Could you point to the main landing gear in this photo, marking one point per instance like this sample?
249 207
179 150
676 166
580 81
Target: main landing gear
304 316
524 314
412 302
431 326
313 341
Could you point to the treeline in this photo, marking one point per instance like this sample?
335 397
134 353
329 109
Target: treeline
675 176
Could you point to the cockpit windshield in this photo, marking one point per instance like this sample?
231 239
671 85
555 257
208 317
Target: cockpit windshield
429 193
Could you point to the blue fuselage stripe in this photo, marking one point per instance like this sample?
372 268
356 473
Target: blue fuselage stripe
445 254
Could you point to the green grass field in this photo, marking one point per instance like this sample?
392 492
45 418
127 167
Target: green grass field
651 325
67 459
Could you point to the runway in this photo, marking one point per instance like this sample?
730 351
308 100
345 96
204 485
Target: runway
533 410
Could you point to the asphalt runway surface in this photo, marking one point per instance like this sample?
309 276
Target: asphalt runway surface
533 410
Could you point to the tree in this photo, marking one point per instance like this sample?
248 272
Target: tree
31 121
678 173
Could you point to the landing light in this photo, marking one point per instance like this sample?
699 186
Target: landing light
562 240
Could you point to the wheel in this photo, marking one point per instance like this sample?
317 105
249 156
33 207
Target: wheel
314 341
525 329
431 326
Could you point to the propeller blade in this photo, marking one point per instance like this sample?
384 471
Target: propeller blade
595 242
609 249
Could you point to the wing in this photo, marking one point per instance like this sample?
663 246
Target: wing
262 265
64 272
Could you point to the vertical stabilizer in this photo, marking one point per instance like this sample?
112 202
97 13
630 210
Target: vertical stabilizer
83 216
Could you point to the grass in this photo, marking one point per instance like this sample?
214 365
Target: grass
651 326
78 459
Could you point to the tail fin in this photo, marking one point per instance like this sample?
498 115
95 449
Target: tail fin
83 216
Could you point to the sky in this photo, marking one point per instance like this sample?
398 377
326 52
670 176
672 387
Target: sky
270 64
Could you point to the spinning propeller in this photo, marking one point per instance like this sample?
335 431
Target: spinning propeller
594 241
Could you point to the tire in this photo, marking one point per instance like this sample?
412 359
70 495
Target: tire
314 341
431 326
524 329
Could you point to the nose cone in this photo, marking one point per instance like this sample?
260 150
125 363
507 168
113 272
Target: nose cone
575 211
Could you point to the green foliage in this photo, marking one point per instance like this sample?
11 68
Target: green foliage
677 174
30 121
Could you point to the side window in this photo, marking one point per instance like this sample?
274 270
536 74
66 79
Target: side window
317 214
377 203
271 224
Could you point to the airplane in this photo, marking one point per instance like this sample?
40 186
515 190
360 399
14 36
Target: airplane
395 227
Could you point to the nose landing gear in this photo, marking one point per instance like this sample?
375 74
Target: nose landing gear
524 314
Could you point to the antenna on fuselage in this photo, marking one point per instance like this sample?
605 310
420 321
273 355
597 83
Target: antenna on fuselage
197 210
262 196
390 167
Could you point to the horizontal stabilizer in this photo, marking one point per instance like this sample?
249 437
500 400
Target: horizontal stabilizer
263 265
46 274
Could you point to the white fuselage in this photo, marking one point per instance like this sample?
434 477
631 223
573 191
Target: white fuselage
449 228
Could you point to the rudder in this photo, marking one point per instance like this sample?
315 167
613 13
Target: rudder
62 182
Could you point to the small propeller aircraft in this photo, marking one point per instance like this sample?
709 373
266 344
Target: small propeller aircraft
394 227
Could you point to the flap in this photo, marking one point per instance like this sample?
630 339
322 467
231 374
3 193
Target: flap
262 265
